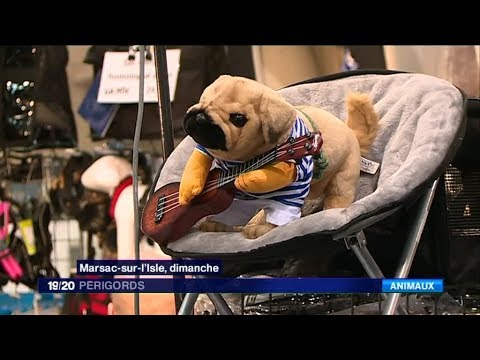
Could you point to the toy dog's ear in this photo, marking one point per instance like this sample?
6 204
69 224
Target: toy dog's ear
276 116
223 78
193 108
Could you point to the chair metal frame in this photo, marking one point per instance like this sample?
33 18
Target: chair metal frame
356 241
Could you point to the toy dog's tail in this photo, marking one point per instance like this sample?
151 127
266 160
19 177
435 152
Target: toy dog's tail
362 119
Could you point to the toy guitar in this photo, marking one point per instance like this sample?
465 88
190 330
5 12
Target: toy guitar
164 220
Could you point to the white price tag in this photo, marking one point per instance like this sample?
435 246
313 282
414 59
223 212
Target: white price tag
120 77
368 166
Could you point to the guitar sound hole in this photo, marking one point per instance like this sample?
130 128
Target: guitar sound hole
159 209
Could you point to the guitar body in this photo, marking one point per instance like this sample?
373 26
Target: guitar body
164 220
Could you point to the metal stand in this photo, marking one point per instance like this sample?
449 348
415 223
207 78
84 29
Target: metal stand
164 104
166 125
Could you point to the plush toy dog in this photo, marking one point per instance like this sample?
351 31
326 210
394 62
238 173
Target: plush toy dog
237 119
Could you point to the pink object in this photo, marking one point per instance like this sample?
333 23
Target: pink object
5 210
8 262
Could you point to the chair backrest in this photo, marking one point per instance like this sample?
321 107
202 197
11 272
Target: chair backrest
421 122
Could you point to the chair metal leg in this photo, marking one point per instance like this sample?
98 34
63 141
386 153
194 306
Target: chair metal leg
220 304
358 245
188 302
218 301
410 249
178 296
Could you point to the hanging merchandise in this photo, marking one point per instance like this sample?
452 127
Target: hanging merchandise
43 266
7 260
18 111
98 115
18 249
349 62
31 241
18 57
35 109
120 74
67 191
368 57
199 66
29 216
93 215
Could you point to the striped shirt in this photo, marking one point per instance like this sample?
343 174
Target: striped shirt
291 195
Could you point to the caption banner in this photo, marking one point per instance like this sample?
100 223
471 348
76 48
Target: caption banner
241 285
149 267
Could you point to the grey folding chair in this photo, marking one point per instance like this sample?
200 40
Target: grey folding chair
422 125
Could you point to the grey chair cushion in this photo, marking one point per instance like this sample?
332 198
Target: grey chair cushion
421 119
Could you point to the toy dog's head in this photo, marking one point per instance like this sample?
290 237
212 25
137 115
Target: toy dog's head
239 118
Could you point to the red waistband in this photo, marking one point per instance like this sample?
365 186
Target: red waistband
118 190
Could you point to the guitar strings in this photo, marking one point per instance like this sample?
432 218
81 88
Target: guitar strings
215 183
273 152
172 204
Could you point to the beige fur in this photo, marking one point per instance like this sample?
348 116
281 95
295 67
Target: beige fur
270 119
363 120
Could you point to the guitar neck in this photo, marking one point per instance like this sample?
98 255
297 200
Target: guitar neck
250 165
292 149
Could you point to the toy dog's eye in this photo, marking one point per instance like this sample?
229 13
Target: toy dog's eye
238 119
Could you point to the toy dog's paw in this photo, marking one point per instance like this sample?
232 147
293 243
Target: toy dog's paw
186 194
213 226
255 231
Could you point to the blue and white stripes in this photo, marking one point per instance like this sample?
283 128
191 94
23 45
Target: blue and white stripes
292 195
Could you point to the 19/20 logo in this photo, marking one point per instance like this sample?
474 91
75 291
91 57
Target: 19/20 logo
61 285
